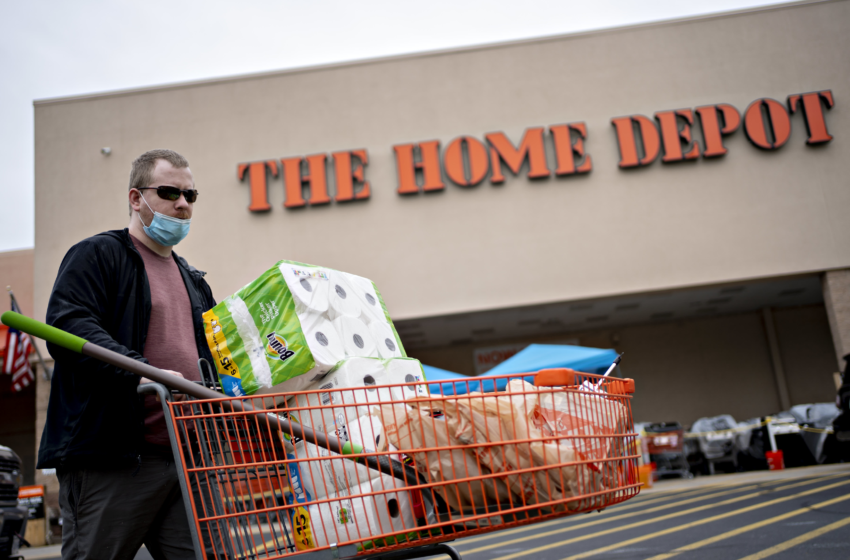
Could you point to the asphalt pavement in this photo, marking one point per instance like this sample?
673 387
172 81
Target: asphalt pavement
795 513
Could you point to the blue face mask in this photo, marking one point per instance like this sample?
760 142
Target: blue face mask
165 230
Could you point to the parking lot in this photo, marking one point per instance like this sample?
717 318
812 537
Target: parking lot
795 513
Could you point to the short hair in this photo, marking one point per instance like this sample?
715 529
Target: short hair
142 169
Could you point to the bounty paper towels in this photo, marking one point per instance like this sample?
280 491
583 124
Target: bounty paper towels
311 294
356 337
385 341
366 294
292 325
341 299
366 512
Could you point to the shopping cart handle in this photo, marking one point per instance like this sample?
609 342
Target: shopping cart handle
556 377
67 340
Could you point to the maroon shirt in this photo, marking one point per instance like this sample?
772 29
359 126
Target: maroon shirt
170 343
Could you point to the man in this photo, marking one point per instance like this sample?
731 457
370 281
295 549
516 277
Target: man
125 290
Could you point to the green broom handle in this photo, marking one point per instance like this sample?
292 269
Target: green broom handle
79 345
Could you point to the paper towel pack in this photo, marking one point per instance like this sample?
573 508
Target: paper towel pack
362 514
384 340
277 334
357 339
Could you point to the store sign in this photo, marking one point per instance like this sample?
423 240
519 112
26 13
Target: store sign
468 161
487 358
32 498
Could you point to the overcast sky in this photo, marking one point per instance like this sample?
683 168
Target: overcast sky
59 48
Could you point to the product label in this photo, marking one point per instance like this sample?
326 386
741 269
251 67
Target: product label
326 397
294 418
299 516
303 534
276 348
227 368
310 273
265 331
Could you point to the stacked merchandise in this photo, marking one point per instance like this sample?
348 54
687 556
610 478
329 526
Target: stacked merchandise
299 328
293 325
362 502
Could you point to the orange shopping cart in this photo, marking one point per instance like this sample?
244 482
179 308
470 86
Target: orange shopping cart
414 474
395 471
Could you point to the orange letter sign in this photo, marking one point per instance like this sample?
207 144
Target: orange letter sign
673 136
770 133
294 181
429 163
712 129
257 179
345 176
627 139
813 114
458 170
530 147
566 148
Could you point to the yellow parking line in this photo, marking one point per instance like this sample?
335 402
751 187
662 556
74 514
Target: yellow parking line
676 494
670 516
608 519
704 521
754 526
616 509
561 521
502 543
799 540
727 489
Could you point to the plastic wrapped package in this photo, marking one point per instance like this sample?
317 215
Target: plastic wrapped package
544 424
367 511
293 325
334 474
354 387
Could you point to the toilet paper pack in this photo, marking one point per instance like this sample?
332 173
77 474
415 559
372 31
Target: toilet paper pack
335 474
277 333
364 513
354 388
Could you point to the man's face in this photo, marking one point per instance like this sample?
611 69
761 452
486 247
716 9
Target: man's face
164 175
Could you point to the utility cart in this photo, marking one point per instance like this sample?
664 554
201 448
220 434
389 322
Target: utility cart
370 472
472 464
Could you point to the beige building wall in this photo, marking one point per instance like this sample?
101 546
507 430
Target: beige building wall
750 214
16 271
836 291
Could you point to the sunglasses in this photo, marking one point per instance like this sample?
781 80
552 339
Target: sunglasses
173 193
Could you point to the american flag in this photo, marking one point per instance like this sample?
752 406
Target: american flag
16 364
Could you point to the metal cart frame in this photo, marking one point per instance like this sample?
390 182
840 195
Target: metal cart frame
224 499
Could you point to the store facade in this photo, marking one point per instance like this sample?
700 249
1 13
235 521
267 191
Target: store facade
676 191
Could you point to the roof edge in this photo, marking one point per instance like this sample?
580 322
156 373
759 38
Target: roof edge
422 54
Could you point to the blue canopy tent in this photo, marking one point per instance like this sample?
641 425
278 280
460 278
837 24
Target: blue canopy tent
533 358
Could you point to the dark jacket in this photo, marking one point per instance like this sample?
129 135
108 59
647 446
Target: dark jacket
94 416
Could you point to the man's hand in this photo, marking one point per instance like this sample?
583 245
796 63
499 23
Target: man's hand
175 373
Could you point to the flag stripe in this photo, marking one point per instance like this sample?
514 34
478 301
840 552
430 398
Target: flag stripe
16 363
